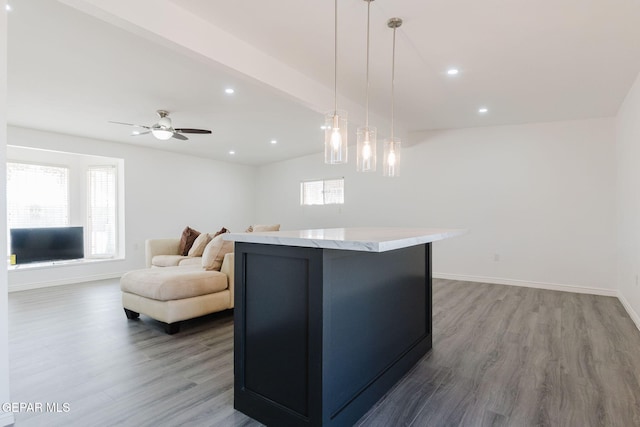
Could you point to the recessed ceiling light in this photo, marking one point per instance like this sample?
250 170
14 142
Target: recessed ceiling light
8 7
323 127
273 141
135 132
231 152
229 91
483 110
453 71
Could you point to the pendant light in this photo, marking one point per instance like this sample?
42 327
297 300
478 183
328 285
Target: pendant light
392 145
367 138
335 133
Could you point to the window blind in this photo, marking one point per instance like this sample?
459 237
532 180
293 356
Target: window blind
37 195
333 191
102 211
322 192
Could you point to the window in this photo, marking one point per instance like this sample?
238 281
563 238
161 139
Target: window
101 211
37 195
324 192
57 189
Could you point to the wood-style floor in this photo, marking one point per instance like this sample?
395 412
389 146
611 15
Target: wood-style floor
502 356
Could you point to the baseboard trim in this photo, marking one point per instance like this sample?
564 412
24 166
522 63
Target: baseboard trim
528 284
62 282
6 419
630 311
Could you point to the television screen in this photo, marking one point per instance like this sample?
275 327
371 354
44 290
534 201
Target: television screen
47 244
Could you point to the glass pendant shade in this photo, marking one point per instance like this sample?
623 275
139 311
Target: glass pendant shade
335 137
391 162
366 149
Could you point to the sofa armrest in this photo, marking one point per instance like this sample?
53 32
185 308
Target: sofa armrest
228 268
153 247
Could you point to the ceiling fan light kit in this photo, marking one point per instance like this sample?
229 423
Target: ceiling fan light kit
163 129
162 134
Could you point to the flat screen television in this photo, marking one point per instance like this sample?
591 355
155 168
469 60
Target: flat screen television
47 244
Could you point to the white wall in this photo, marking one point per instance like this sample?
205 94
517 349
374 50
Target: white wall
628 201
164 192
541 196
5 418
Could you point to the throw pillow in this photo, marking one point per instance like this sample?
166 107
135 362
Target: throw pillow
189 235
221 231
215 251
259 227
199 244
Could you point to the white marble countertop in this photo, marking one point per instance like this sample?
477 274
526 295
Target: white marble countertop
371 239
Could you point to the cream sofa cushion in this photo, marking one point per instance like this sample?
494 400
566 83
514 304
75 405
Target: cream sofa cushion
191 261
173 283
167 260
199 244
215 251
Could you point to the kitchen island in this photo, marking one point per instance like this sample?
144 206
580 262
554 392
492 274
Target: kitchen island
328 320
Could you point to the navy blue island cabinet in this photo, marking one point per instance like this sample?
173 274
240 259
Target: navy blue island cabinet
328 320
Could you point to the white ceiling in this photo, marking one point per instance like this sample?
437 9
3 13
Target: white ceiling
75 66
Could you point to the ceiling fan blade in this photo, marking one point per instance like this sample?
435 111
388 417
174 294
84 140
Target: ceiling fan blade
176 135
130 124
187 130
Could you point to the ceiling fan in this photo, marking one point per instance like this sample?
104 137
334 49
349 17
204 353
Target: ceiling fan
164 130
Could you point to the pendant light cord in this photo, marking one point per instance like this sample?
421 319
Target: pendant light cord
393 78
335 62
366 116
